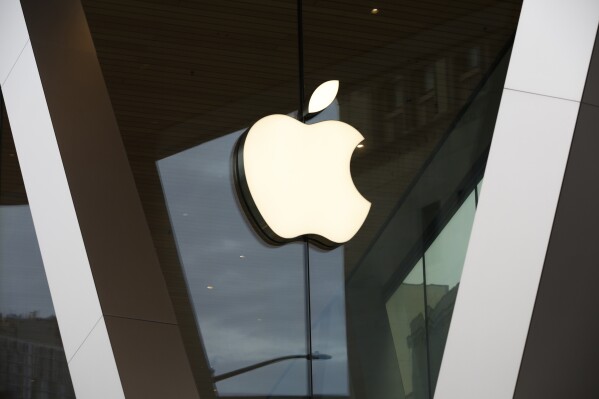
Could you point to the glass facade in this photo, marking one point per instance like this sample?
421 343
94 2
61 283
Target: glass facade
420 308
248 297
421 81
32 360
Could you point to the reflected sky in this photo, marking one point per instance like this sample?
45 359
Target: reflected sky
249 296
330 377
23 286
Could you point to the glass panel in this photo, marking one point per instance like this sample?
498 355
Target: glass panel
407 323
32 359
444 261
248 297
479 187
285 379
422 82
330 376
327 296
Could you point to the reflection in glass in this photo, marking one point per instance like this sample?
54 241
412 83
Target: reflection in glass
419 314
405 309
248 297
445 256
32 360
327 296
421 81
444 260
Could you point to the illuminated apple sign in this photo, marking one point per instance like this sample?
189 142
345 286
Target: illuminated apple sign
294 180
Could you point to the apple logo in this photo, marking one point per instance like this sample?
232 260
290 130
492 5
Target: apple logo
294 181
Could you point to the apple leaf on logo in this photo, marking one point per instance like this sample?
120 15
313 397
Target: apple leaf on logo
323 96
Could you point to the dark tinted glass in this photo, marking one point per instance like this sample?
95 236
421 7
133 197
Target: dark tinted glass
407 318
420 80
32 359
248 297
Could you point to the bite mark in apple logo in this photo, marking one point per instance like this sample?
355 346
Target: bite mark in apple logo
294 181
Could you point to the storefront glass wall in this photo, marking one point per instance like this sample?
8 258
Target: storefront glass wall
420 80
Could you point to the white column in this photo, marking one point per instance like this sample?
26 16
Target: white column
85 339
524 174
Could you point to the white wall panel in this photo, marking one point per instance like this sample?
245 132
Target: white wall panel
516 209
553 47
13 35
92 371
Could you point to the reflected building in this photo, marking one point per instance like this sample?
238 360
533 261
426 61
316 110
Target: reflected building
32 361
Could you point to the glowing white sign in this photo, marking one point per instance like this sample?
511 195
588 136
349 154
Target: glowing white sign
294 179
